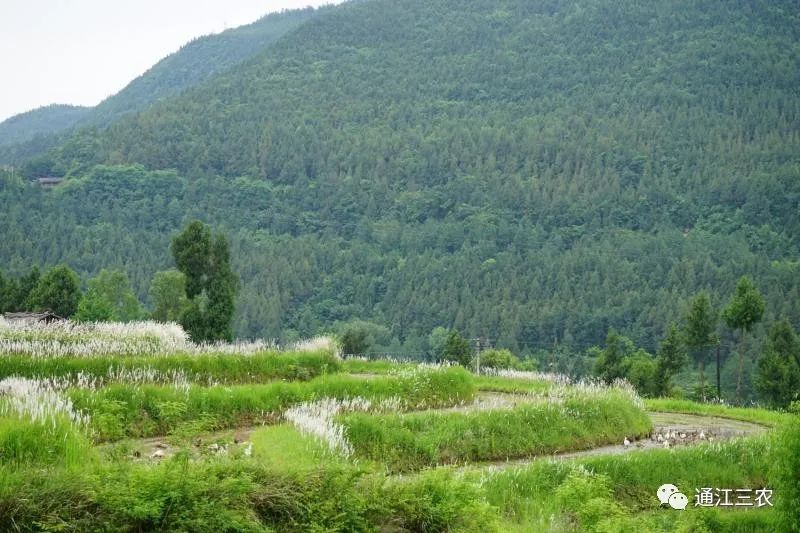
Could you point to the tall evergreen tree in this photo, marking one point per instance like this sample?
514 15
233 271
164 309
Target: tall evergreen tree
778 377
701 322
192 252
458 350
610 361
210 283
221 290
23 290
744 310
6 292
670 359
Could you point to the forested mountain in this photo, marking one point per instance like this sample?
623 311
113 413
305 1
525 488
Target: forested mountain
49 119
195 62
529 171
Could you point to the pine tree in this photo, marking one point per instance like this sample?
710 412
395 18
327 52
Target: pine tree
210 283
778 377
701 322
744 310
458 350
670 359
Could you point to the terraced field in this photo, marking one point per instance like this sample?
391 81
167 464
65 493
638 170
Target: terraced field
134 428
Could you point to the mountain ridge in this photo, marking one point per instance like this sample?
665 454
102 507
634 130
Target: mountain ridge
196 61
530 172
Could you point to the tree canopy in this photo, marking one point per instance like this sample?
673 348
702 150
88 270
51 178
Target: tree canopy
537 172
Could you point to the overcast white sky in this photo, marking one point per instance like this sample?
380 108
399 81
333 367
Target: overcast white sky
81 51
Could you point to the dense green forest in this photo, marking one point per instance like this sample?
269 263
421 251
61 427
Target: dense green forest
530 172
31 134
43 121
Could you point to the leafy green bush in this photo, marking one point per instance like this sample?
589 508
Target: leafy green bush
587 499
499 359
434 501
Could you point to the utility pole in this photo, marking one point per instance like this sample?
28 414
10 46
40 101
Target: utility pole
478 357
479 347
719 388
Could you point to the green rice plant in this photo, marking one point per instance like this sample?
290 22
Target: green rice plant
585 501
512 385
747 414
360 365
24 442
149 410
578 420
237 495
205 368
283 447
700 520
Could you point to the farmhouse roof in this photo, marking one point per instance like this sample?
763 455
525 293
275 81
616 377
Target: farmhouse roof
29 316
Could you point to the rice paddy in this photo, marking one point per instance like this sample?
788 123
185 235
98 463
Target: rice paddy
134 428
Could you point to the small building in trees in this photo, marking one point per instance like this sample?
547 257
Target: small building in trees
30 317
48 182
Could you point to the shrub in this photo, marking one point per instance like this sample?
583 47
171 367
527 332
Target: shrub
587 499
499 359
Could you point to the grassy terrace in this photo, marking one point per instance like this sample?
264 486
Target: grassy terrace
120 410
205 368
337 434
747 414
405 442
617 492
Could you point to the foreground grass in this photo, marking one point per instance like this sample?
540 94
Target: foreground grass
205 368
51 442
617 492
747 414
119 411
405 442
242 495
612 493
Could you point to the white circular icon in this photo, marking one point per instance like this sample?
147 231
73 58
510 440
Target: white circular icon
678 501
665 491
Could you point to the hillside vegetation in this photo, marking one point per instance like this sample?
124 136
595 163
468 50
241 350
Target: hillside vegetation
48 119
31 134
525 171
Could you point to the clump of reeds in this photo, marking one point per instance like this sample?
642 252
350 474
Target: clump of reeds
39 401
